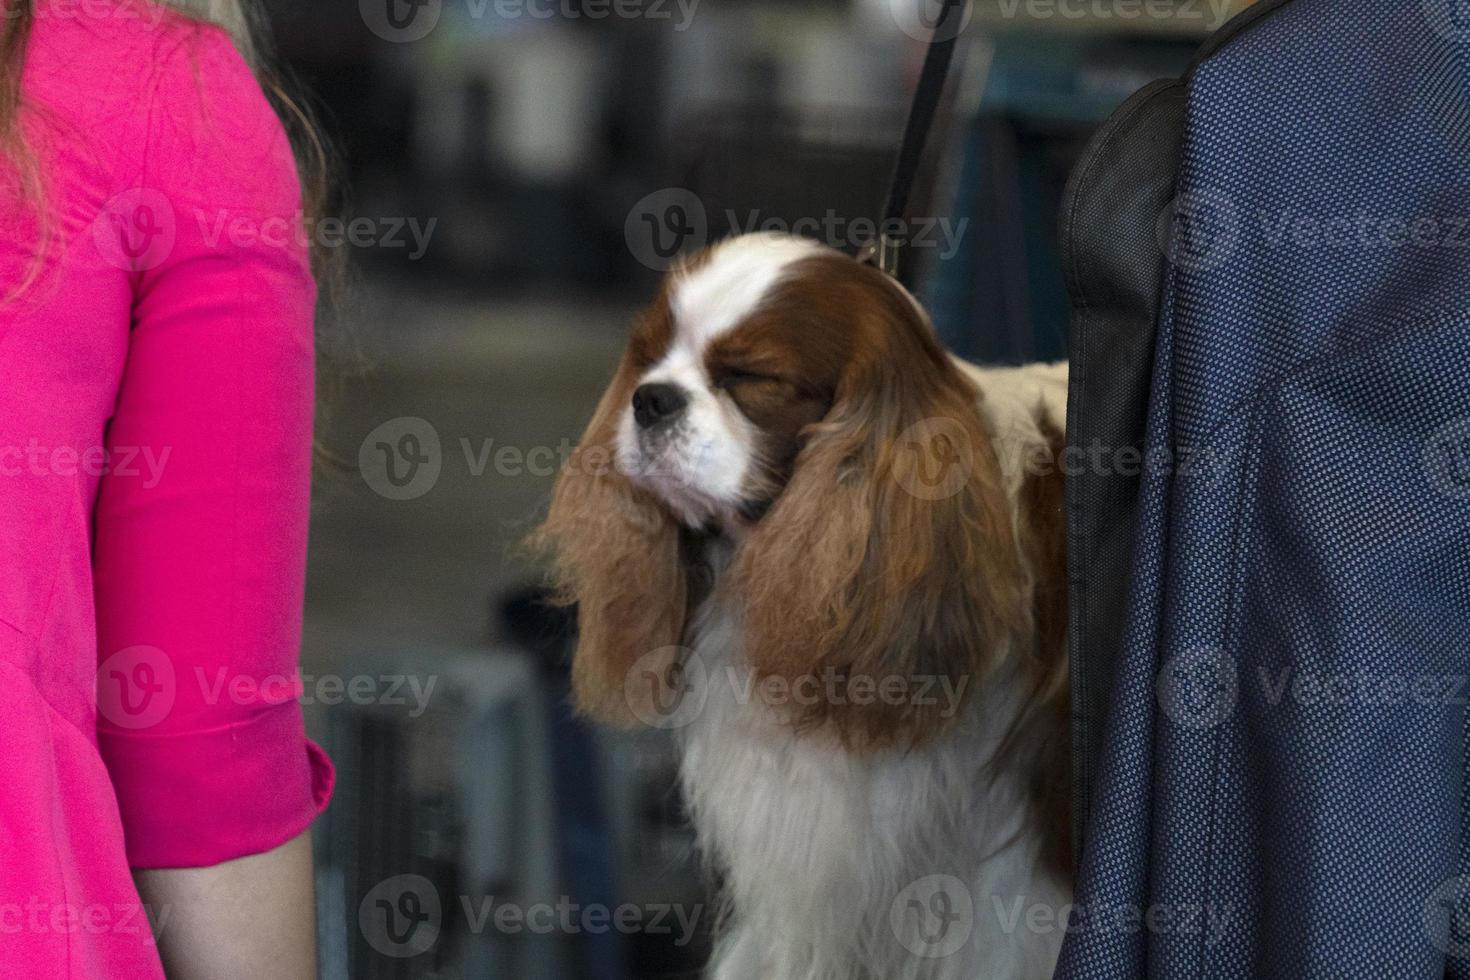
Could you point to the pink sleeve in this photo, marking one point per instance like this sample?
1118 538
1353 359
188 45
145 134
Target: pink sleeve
201 544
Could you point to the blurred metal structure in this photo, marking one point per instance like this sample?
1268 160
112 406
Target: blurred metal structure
469 837
441 819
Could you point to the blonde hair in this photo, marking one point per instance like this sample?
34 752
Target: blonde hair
232 15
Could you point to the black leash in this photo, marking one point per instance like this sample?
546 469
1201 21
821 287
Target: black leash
883 250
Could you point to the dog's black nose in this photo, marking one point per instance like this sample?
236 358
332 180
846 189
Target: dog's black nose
657 403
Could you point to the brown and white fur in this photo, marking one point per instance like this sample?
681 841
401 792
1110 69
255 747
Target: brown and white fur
771 534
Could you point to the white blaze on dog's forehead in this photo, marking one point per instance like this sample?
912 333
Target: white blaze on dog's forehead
701 464
728 287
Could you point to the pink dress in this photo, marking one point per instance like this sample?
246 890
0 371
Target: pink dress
155 452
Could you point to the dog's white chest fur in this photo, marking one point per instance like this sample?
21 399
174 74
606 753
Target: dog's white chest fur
842 866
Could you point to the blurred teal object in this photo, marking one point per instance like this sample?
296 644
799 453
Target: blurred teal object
1000 298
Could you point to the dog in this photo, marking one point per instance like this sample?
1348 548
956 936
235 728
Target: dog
830 558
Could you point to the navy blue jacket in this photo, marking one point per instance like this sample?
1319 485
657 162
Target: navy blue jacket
1272 746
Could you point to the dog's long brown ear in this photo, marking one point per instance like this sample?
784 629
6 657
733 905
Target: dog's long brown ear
616 554
889 564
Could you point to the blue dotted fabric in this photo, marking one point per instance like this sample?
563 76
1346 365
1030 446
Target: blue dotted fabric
1282 791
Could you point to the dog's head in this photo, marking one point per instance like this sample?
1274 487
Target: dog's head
785 396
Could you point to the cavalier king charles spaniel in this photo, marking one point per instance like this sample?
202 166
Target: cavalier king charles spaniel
830 558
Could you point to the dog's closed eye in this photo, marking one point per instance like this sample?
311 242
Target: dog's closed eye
731 378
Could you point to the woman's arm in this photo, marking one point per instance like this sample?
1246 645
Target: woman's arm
244 919
200 559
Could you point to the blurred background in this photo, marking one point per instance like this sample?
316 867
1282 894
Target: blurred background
519 172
